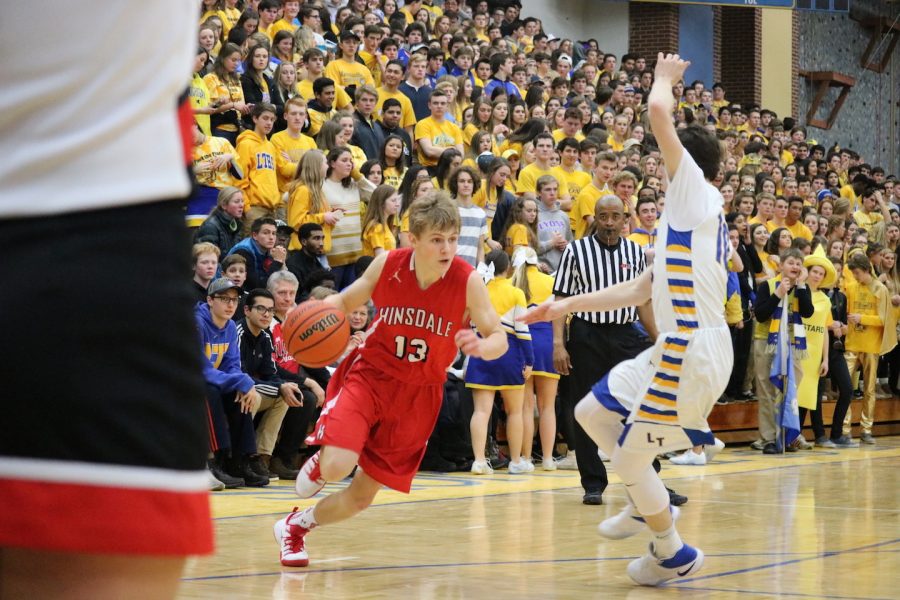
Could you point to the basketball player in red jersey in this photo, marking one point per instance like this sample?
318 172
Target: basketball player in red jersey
383 401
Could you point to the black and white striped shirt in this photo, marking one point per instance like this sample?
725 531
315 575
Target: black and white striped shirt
588 266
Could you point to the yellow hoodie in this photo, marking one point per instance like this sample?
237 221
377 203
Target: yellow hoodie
256 155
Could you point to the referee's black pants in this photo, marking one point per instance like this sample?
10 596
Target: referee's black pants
593 351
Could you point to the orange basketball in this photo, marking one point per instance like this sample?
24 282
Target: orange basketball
315 333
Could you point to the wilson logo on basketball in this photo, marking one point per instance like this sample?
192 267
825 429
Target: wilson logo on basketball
330 320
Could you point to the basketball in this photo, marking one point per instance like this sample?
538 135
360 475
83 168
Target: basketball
315 333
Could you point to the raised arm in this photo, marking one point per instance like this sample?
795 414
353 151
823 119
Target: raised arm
669 71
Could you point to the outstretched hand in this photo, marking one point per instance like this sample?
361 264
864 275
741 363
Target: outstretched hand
670 67
548 311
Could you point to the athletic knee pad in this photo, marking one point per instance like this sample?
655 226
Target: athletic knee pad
602 425
642 483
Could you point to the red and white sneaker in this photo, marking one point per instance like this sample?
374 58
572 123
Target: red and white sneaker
291 537
309 481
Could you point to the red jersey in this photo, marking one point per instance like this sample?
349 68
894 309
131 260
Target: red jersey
412 336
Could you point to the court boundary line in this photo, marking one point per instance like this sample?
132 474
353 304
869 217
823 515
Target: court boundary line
498 494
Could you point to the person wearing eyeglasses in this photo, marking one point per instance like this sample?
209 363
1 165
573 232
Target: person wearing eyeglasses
231 397
281 401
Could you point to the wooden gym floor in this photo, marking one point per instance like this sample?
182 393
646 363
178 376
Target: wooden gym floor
815 524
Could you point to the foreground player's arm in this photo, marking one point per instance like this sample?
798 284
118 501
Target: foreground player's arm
645 314
661 104
360 291
635 292
492 343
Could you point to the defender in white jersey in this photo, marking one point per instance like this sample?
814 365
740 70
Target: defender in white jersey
659 401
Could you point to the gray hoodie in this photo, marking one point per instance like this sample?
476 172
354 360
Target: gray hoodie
550 221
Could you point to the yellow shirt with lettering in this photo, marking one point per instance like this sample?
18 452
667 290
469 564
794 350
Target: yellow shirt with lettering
441 135
345 73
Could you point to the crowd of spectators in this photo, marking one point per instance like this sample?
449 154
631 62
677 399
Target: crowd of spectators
318 123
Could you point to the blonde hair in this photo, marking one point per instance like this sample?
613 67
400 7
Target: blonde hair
204 248
225 195
375 214
309 175
520 275
435 210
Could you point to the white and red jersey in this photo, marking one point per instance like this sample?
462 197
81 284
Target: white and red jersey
412 336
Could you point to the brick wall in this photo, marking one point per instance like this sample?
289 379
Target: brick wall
741 40
652 28
869 121
717 43
795 64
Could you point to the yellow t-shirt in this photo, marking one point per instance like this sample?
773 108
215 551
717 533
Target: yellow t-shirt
224 92
317 119
295 148
345 72
442 135
528 180
516 235
372 61
575 180
848 193
377 236
407 114
866 221
359 156
614 145
213 147
280 25
393 176
559 135
584 206
798 229
200 99
341 98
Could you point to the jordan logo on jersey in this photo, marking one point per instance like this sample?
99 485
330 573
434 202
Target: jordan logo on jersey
415 317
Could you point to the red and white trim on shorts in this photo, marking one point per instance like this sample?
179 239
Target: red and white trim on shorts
105 509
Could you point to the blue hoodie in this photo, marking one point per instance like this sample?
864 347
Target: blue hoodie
222 367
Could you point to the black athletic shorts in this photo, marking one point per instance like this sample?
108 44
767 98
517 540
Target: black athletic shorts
103 438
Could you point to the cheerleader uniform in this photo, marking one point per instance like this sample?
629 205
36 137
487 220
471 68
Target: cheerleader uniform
504 373
541 287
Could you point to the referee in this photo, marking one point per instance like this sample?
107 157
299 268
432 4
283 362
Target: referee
597 341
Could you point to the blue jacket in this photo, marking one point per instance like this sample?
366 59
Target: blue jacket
259 263
221 352
507 86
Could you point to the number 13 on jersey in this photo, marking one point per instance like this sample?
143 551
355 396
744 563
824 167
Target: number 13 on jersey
413 350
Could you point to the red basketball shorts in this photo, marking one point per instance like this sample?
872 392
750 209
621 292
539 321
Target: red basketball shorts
387 422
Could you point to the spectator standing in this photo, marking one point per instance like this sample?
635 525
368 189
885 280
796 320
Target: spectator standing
596 341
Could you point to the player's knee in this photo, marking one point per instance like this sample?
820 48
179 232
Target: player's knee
335 468
587 410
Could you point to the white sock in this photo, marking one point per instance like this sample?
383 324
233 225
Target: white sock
306 519
666 543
